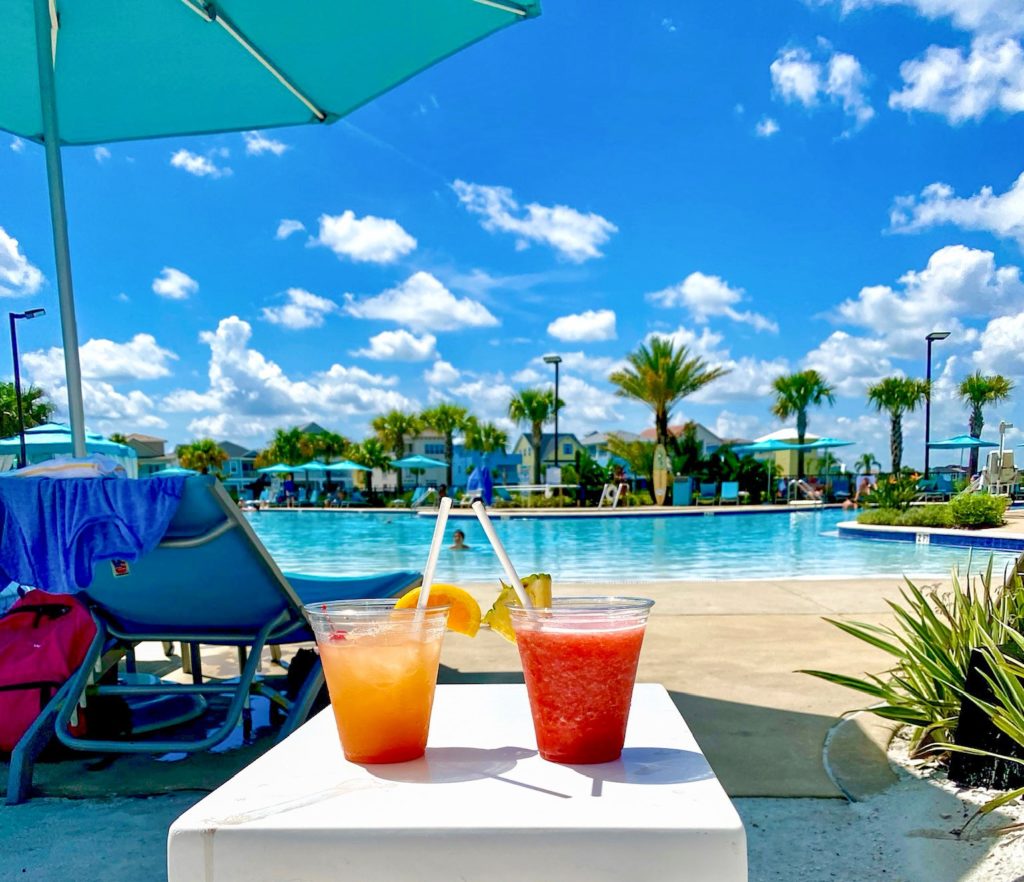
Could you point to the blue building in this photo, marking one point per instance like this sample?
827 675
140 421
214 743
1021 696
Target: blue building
504 466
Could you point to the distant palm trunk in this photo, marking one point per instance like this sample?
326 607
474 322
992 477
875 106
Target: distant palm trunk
976 424
537 441
896 441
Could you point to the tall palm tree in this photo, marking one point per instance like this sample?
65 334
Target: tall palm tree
533 407
203 455
34 406
897 396
291 446
661 375
393 428
485 437
372 454
866 463
446 419
794 394
976 390
328 445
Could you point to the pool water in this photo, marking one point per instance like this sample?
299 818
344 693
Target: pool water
755 546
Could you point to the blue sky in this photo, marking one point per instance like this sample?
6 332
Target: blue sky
779 186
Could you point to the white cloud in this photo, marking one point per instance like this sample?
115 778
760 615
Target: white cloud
287 227
961 88
100 154
1002 215
578 362
107 409
441 373
668 25
174 284
18 145
798 77
256 144
528 375
18 277
957 283
249 394
592 324
140 358
574 235
735 425
365 240
766 127
303 310
974 16
422 303
706 296
1001 347
850 363
400 345
200 166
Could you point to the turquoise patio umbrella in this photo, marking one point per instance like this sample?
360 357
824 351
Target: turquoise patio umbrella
92 71
960 442
280 468
769 446
418 461
346 465
52 439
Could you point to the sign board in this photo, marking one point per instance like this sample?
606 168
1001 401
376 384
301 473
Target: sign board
553 475
661 469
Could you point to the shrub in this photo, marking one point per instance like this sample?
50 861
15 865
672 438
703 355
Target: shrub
935 515
879 517
976 510
894 491
931 642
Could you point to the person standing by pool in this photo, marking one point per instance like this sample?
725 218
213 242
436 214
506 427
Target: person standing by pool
458 542
290 493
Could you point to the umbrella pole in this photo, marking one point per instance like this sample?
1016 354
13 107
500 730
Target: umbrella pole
45 45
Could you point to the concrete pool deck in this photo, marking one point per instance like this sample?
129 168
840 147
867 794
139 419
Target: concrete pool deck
727 652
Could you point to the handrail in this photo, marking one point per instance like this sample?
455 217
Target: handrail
196 541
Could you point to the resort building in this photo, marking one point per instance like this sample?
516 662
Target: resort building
596 444
239 470
568 446
785 460
709 439
504 466
151 452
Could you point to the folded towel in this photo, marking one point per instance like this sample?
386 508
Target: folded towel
52 533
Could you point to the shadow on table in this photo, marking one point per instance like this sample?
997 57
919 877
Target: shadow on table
647 766
447 675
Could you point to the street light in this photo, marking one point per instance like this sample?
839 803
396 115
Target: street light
556 360
931 338
14 316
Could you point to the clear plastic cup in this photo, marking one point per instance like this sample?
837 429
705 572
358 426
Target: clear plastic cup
381 669
579 659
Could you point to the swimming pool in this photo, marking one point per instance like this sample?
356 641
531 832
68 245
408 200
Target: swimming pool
754 546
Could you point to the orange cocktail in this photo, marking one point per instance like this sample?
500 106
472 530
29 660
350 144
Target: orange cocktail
381 668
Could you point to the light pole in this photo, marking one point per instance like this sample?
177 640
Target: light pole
556 360
931 338
14 316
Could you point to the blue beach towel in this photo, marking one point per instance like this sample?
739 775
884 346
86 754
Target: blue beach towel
53 532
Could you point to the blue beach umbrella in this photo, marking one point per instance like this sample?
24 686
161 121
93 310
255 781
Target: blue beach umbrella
770 446
960 442
346 465
52 439
92 71
280 468
418 461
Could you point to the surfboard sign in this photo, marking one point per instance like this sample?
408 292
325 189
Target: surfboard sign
661 468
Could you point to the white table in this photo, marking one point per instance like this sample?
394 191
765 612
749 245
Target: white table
481 805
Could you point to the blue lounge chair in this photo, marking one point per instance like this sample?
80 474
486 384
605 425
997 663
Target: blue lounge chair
708 494
841 489
730 493
209 581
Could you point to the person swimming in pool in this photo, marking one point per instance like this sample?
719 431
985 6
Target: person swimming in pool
458 542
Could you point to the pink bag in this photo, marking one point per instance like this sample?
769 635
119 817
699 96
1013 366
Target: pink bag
43 639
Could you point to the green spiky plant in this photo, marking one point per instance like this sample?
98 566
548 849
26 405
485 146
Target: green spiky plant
931 643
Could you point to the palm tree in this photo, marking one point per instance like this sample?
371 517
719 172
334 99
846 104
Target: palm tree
533 407
866 463
372 454
35 408
660 376
393 428
897 396
327 445
118 438
291 446
446 420
202 455
794 394
485 437
976 390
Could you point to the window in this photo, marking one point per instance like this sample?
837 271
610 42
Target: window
567 449
433 449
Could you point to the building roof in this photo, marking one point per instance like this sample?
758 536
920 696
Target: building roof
704 434
236 451
602 437
312 429
135 436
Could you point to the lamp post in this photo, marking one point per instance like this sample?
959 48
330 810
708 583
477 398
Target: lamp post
931 338
14 317
556 360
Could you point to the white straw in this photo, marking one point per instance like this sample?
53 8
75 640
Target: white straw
499 549
435 550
